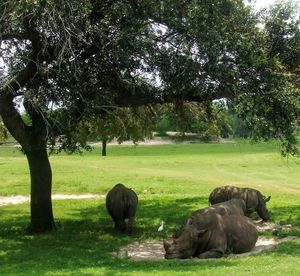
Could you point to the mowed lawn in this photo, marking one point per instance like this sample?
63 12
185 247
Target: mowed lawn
171 181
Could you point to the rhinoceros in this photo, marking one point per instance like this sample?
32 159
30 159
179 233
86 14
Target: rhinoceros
254 200
121 204
209 235
235 206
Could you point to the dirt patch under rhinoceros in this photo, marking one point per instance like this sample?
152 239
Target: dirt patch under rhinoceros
154 250
265 226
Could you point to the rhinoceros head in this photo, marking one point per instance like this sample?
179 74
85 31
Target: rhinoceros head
178 249
191 238
183 247
262 208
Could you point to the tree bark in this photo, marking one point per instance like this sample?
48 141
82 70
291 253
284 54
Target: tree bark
33 141
41 184
104 141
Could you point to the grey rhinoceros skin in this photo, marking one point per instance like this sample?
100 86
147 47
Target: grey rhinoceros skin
254 200
233 206
121 204
208 234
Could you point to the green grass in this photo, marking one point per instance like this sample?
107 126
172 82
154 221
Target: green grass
171 182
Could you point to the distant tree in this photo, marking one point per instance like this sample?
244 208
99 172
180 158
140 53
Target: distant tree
165 119
121 124
238 126
194 117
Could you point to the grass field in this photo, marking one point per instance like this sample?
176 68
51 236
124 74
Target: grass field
171 181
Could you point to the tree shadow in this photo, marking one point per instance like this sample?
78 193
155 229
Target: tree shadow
149 215
88 241
287 215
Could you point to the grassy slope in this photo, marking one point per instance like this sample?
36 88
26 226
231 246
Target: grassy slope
171 182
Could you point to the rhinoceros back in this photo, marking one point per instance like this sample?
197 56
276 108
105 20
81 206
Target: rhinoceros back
234 206
121 202
224 193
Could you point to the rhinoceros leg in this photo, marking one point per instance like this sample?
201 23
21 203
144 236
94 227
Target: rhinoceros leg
120 225
213 253
130 224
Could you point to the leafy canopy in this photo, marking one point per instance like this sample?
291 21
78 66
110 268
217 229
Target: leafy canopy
72 61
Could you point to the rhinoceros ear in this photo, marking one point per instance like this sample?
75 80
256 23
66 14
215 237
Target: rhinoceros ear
267 199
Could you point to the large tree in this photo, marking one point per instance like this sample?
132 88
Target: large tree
72 60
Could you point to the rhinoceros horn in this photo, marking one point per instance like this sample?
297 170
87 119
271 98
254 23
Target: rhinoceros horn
167 244
266 199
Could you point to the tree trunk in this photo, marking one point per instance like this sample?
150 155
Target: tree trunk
41 183
104 141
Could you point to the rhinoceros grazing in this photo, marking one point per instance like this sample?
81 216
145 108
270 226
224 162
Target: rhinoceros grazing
254 200
210 235
121 204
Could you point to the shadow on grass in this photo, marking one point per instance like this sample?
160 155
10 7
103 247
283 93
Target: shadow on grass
150 213
87 242
287 215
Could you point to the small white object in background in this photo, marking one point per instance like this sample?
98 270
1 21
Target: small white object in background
161 227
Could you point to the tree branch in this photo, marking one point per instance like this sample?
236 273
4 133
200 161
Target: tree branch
128 94
28 72
9 90
10 36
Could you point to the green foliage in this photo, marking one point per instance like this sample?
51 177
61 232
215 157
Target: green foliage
282 27
123 124
194 117
114 123
239 127
133 53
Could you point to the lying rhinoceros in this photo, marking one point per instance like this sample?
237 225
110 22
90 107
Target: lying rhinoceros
254 200
209 235
235 206
121 204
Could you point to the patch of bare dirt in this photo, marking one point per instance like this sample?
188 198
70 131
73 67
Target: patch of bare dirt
149 250
146 142
265 244
12 200
165 140
264 226
154 250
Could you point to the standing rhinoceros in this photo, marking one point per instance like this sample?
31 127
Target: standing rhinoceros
254 200
209 235
121 204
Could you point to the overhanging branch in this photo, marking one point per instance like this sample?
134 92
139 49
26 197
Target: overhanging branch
10 36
